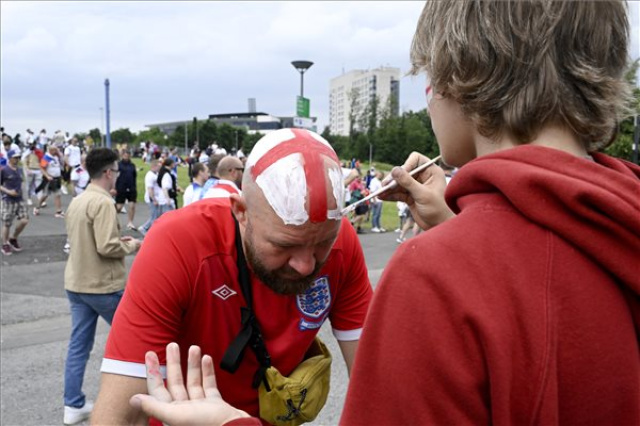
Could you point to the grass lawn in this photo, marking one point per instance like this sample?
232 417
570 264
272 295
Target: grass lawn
389 218
143 168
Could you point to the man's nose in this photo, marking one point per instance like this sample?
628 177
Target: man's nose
303 262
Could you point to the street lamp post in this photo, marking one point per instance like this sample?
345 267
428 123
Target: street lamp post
186 143
102 127
302 67
108 112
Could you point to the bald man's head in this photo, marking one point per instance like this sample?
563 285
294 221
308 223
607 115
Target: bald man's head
298 174
231 168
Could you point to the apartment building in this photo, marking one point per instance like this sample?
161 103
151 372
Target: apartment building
356 89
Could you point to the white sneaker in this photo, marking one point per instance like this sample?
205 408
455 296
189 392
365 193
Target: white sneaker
29 202
376 230
63 188
76 415
124 210
383 230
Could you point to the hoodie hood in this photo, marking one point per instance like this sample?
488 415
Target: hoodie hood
591 204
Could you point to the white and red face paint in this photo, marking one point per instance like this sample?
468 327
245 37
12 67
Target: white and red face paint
288 166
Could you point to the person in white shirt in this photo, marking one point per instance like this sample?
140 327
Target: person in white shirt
72 159
204 158
59 139
376 203
43 139
153 196
51 169
72 154
79 178
230 171
29 139
194 191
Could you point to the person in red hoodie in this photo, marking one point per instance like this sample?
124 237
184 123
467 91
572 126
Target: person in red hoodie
523 307
520 304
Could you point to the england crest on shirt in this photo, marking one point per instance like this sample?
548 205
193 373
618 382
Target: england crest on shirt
314 303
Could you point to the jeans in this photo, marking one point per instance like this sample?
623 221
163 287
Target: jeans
154 213
85 309
34 179
376 212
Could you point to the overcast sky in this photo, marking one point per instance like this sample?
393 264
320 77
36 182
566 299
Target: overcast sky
170 61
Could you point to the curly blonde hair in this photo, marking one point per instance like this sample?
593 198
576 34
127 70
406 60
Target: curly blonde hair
515 66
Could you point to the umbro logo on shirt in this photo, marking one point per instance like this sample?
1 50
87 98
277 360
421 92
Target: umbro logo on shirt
224 292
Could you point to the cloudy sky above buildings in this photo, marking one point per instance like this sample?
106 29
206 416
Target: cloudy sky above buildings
170 61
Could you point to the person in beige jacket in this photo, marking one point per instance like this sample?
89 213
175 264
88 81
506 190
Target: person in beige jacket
94 277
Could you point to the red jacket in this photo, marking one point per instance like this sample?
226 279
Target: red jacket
524 309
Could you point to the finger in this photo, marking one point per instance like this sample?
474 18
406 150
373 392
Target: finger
175 383
155 383
163 411
405 180
209 378
194 373
414 160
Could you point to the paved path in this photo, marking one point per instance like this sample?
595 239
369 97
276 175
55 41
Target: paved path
35 325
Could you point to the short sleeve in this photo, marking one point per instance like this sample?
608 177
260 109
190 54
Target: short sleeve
355 292
150 312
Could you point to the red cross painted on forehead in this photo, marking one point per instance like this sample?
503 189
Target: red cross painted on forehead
312 151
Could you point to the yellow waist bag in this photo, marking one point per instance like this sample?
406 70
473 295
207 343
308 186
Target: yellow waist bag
297 399
284 401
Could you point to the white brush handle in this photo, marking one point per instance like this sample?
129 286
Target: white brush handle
388 186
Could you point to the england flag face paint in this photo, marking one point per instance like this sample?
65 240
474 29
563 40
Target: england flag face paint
288 165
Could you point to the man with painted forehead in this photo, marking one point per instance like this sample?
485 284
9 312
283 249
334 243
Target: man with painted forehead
305 261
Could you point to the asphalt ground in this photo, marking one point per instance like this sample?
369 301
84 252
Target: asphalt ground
35 324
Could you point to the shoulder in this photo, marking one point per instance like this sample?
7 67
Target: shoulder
200 229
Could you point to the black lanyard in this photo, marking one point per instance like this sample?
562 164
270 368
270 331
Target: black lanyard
249 333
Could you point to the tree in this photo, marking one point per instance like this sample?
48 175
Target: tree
249 140
208 133
353 119
122 136
227 136
177 138
623 145
154 135
96 135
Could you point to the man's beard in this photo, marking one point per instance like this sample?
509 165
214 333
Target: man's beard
273 279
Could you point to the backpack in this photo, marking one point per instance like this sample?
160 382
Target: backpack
172 191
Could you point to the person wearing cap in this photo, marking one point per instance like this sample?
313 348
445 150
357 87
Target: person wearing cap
7 145
305 266
12 203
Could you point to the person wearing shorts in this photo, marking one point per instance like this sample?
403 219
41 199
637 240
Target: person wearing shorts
126 187
12 203
51 167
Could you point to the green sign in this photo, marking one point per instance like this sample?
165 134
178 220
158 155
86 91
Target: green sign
302 107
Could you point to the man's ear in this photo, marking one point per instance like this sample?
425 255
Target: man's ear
239 208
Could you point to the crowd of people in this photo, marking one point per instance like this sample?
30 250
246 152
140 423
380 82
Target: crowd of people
39 166
518 303
43 167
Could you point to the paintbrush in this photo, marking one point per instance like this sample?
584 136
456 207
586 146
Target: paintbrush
388 186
